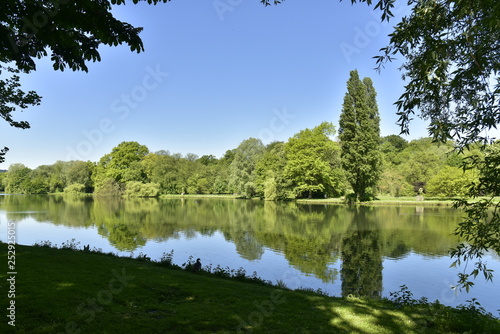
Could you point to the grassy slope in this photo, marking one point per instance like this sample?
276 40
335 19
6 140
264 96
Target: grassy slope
79 292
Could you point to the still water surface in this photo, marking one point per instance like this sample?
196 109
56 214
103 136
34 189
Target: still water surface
364 250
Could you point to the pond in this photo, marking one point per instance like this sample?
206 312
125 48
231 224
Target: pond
342 250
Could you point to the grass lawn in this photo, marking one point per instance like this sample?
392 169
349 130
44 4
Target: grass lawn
68 291
390 200
385 200
195 196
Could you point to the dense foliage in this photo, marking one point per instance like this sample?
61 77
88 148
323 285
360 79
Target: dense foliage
359 133
307 165
313 164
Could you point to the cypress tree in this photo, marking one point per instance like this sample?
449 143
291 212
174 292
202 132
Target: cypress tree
359 134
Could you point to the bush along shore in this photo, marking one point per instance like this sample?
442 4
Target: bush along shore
72 290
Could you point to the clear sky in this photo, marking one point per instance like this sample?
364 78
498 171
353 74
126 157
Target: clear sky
213 74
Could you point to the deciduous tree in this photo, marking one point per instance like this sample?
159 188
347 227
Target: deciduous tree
271 183
450 50
313 162
241 170
119 164
17 179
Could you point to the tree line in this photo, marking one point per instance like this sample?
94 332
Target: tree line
307 165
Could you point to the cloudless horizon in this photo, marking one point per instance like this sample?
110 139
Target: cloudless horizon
212 75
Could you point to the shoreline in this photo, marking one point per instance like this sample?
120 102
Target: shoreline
383 200
333 201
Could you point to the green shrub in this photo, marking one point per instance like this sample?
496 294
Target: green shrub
139 189
451 181
108 187
74 189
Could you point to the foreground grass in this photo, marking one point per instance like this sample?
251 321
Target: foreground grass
67 291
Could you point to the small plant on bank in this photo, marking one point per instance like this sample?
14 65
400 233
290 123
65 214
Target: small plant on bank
207 268
256 278
71 245
240 273
225 272
281 284
222 272
45 243
166 259
403 297
143 257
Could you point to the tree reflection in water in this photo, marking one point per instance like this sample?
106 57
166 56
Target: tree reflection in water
361 272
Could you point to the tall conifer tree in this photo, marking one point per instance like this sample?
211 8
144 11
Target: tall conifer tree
359 134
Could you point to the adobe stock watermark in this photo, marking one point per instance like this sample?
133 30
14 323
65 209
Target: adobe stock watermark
11 272
104 297
224 6
277 124
120 108
363 36
266 308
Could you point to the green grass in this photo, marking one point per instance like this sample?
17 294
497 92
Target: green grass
386 200
68 291
194 196
390 200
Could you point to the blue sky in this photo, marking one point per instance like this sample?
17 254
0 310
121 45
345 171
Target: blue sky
213 74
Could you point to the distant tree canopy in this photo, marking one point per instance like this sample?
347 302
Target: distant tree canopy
270 180
242 168
307 165
121 165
